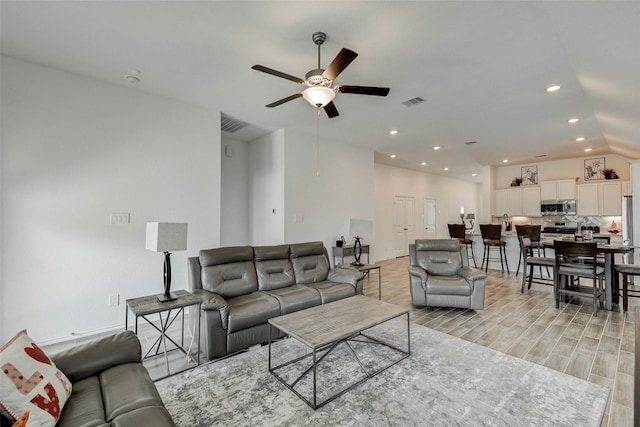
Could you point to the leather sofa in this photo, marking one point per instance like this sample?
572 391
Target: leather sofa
110 387
242 287
440 275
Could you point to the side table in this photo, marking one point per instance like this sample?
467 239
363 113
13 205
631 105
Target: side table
366 269
148 305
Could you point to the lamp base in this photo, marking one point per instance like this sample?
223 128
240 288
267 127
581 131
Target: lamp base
357 264
163 298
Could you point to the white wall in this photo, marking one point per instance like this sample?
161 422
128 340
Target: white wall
235 205
448 193
267 189
561 169
75 150
325 203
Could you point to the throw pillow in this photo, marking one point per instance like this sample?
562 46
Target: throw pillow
30 381
22 422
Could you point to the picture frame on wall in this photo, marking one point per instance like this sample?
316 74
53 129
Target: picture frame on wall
529 175
593 169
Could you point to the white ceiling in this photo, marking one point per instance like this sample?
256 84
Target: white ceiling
481 66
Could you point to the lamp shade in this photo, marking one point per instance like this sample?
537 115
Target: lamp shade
319 96
166 236
361 227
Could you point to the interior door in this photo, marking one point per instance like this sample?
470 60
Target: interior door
429 219
403 224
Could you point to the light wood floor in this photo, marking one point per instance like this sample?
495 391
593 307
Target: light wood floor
569 339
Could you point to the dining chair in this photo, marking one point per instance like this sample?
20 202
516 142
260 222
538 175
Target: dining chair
628 270
566 252
492 239
533 233
458 231
526 252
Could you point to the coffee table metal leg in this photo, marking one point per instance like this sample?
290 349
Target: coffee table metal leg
315 402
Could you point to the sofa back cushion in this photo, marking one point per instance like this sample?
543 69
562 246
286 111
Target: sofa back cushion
273 267
310 262
229 271
439 257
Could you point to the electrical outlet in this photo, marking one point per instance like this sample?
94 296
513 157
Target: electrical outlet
114 300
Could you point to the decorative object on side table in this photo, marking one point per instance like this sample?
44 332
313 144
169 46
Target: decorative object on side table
609 174
593 168
359 228
165 237
462 214
516 182
529 175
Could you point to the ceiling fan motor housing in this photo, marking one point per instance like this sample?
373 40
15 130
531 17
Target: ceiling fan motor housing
316 78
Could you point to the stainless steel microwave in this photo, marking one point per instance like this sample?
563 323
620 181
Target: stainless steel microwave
558 207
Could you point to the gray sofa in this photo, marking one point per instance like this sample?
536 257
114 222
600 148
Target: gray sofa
110 387
243 287
440 275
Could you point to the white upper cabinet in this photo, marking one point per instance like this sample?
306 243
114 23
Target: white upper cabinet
531 201
587 199
626 188
602 198
558 190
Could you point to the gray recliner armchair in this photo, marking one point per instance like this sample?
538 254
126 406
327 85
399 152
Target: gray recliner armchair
440 276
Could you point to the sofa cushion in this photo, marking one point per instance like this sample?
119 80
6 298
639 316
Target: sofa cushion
230 280
330 291
265 253
448 285
125 388
150 416
296 297
84 407
231 254
251 309
298 250
439 257
30 381
310 268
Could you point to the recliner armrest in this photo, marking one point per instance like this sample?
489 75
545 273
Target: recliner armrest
213 301
345 275
471 274
420 272
93 357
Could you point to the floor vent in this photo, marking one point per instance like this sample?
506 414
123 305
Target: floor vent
414 101
231 125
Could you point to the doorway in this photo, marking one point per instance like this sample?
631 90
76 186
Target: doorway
404 209
429 218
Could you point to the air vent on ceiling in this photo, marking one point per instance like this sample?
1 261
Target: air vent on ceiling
231 125
470 142
414 101
542 155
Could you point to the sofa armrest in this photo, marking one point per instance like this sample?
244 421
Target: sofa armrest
95 356
471 274
419 272
345 275
214 302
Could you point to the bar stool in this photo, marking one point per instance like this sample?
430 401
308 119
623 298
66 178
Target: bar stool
457 231
628 270
492 239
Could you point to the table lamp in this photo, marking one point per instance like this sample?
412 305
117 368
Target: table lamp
462 214
165 237
359 228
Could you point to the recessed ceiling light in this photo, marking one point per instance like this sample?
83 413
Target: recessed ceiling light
446 169
588 149
133 79
393 156
553 88
580 139
423 163
436 147
573 120
474 174
393 132
505 161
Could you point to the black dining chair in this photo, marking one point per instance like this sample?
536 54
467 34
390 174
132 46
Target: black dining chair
628 270
566 269
458 231
526 252
533 233
492 239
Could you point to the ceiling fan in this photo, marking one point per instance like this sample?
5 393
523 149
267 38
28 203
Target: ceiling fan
319 91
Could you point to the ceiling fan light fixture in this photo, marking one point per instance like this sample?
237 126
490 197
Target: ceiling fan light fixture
318 96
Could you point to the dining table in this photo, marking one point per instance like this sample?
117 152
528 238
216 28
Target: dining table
609 250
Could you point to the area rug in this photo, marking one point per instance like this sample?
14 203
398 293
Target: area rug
446 381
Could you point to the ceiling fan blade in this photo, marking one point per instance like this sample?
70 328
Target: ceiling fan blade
283 100
364 90
331 110
339 63
277 73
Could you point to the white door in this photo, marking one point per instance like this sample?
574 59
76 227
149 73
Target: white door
429 219
403 224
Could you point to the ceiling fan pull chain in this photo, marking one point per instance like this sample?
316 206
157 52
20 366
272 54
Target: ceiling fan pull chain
318 144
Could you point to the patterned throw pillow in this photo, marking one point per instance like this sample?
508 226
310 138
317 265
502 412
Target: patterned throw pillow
29 381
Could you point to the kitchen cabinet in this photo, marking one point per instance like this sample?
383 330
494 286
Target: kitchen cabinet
603 198
558 189
531 201
509 201
626 188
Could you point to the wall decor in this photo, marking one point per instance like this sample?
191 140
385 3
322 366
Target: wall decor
593 169
530 175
